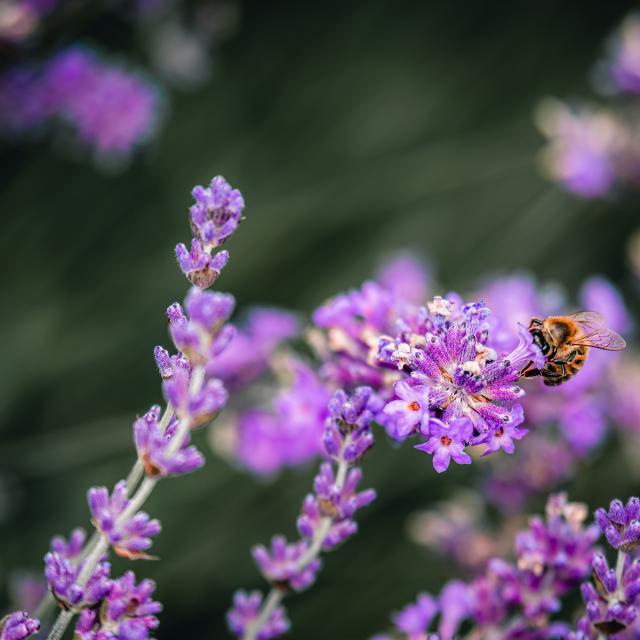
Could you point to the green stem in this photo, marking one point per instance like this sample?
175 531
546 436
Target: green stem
60 626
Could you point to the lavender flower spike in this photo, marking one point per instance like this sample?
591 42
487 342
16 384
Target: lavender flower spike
129 533
326 521
18 626
215 216
77 572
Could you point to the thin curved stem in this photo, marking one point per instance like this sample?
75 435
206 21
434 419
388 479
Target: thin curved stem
60 626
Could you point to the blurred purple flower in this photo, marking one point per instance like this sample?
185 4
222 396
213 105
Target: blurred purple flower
248 353
288 434
280 566
625 63
583 148
415 619
245 610
18 626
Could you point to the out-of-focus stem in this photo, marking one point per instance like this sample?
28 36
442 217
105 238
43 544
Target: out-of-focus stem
622 556
60 626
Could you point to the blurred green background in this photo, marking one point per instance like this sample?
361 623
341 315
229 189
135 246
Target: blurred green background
352 129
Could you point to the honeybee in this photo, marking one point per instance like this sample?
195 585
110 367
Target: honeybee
565 343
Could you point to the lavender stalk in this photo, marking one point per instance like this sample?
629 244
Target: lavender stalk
326 520
78 573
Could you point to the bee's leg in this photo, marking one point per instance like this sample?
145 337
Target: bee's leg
571 357
549 372
530 373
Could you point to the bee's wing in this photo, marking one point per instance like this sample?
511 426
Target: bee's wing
596 334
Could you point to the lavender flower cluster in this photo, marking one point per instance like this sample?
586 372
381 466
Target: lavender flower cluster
447 372
107 108
593 150
520 600
326 521
77 570
377 335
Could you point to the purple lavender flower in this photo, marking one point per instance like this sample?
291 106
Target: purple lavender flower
112 110
246 607
197 407
312 519
26 589
515 602
130 537
248 354
625 65
153 445
127 613
72 548
282 567
583 148
406 277
340 503
201 336
447 441
469 391
201 268
411 409
351 326
168 364
612 603
290 432
415 619
621 524
62 575
454 603
347 433
503 436
325 522
18 626
216 213
347 438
